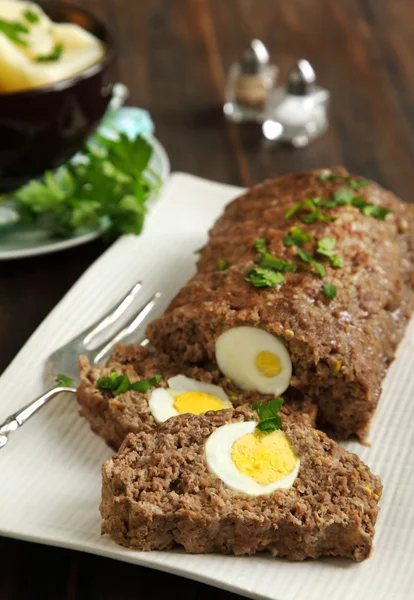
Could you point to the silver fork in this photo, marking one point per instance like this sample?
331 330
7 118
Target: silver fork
65 359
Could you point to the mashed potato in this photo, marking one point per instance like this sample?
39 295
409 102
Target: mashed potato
35 52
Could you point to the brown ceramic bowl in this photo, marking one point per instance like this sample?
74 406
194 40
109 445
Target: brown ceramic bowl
41 128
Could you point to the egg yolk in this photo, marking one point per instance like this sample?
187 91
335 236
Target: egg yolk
264 458
197 402
268 363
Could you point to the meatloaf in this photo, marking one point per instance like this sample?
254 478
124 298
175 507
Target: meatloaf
158 492
113 417
340 347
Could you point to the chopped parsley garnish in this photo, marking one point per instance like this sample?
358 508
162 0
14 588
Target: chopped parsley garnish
53 56
262 277
308 259
222 264
63 380
269 419
354 184
261 246
31 16
326 247
297 237
268 260
311 206
272 262
199 250
329 289
370 210
121 383
299 206
344 196
328 176
13 30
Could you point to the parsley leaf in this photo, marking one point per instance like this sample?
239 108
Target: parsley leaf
145 384
312 207
31 16
121 383
356 184
263 277
63 380
272 262
299 206
297 237
268 260
326 246
329 289
308 259
222 264
269 419
106 188
370 210
53 56
13 30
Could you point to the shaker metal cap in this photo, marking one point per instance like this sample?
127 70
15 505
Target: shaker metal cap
301 78
255 58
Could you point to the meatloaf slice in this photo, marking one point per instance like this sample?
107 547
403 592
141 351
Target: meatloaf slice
113 417
341 347
158 492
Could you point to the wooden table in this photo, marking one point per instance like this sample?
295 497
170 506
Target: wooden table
173 55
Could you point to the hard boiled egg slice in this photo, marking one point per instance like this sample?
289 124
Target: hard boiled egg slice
185 395
249 461
254 360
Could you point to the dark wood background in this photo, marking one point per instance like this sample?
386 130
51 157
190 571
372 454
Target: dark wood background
173 56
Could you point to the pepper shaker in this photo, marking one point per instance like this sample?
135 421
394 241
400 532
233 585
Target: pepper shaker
249 84
297 112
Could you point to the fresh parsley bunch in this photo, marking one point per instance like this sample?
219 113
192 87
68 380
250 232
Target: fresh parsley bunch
105 187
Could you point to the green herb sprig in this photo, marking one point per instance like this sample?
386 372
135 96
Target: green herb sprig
121 383
326 247
297 237
106 188
268 260
329 290
269 419
31 16
14 30
53 56
308 259
222 264
63 380
263 277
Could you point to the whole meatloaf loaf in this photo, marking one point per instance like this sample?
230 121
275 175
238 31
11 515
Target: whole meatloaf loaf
340 337
113 416
159 491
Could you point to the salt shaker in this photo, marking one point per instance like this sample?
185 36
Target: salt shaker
249 84
297 112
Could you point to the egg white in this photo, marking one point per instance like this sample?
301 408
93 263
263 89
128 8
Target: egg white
219 461
236 351
161 402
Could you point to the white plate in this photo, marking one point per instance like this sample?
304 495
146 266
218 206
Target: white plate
23 241
50 470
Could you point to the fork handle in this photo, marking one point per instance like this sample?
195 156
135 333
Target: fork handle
21 416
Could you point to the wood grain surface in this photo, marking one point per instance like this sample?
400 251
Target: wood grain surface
173 55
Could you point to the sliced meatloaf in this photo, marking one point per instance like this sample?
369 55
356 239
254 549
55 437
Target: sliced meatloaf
341 347
113 417
158 492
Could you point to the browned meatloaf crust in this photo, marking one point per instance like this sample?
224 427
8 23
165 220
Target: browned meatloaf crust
113 417
340 348
158 492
